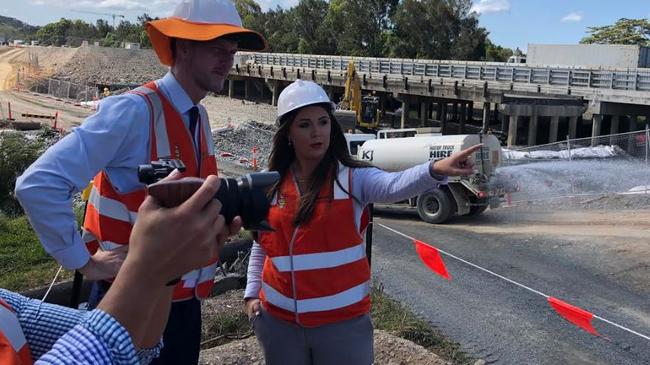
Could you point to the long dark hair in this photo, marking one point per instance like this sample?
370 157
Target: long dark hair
283 155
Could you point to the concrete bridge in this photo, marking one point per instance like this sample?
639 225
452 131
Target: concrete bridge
532 104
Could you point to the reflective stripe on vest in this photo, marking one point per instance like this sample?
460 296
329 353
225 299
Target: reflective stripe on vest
13 345
110 215
327 303
111 208
317 273
320 260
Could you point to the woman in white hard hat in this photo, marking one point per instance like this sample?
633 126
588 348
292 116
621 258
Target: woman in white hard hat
309 281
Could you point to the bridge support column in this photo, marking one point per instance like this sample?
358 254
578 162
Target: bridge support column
552 133
424 112
614 128
597 121
486 117
573 127
463 118
443 118
231 88
274 93
405 111
454 112
631 128
246 89
470 112
512 130
532 130
633 122
495 112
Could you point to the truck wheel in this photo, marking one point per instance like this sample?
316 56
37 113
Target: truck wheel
434 207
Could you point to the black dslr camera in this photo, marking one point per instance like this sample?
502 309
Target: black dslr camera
245 196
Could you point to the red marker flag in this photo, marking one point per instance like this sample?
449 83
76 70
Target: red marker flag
573 314
431 257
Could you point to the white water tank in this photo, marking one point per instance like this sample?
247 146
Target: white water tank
396 154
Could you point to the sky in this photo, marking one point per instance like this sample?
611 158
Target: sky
511 23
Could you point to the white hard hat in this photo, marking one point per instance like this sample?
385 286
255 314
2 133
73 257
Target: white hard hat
301 93
201 20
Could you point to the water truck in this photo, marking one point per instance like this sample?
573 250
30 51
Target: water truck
467 195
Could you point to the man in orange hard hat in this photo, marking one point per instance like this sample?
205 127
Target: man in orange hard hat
161 119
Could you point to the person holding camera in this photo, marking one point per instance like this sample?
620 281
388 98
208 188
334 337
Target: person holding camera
161 119
308 291
127 326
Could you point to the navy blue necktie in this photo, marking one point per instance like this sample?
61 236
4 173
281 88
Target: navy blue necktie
194 121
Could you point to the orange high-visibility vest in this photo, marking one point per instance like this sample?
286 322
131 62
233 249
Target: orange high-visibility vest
110 215
13 346
317 273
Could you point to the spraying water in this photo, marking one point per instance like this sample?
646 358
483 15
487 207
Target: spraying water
546 180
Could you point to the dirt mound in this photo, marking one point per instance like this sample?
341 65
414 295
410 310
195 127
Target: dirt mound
100 65
49 59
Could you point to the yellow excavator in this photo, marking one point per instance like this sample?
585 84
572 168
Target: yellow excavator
356 111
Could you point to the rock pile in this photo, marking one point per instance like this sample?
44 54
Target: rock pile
236 144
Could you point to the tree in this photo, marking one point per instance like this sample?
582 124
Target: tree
309 16
436 29
54 33
495 53
624 31
278 25
357 26
249 11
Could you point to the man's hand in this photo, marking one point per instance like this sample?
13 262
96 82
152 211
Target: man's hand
458 164
104 265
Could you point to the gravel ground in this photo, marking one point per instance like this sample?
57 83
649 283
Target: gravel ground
223 109
389 349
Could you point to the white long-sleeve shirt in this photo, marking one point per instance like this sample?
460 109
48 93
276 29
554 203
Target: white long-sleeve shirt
369 185
115 140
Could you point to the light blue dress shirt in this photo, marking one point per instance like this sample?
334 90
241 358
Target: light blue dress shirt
116 140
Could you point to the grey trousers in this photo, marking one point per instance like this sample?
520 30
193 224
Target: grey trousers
345 343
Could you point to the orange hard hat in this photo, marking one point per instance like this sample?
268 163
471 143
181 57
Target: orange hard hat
201 20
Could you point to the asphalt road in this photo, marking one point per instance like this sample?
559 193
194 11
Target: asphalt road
500 322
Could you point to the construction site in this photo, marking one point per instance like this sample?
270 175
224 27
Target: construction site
563 217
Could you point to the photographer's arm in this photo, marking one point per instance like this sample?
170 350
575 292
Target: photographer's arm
165 243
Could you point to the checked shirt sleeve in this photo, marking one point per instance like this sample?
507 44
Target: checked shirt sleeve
99 340
42 323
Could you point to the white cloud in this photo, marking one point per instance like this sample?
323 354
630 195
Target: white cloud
574 17
491 6
154 7
159 8
271 4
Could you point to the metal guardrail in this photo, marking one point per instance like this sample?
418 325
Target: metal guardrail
613 79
